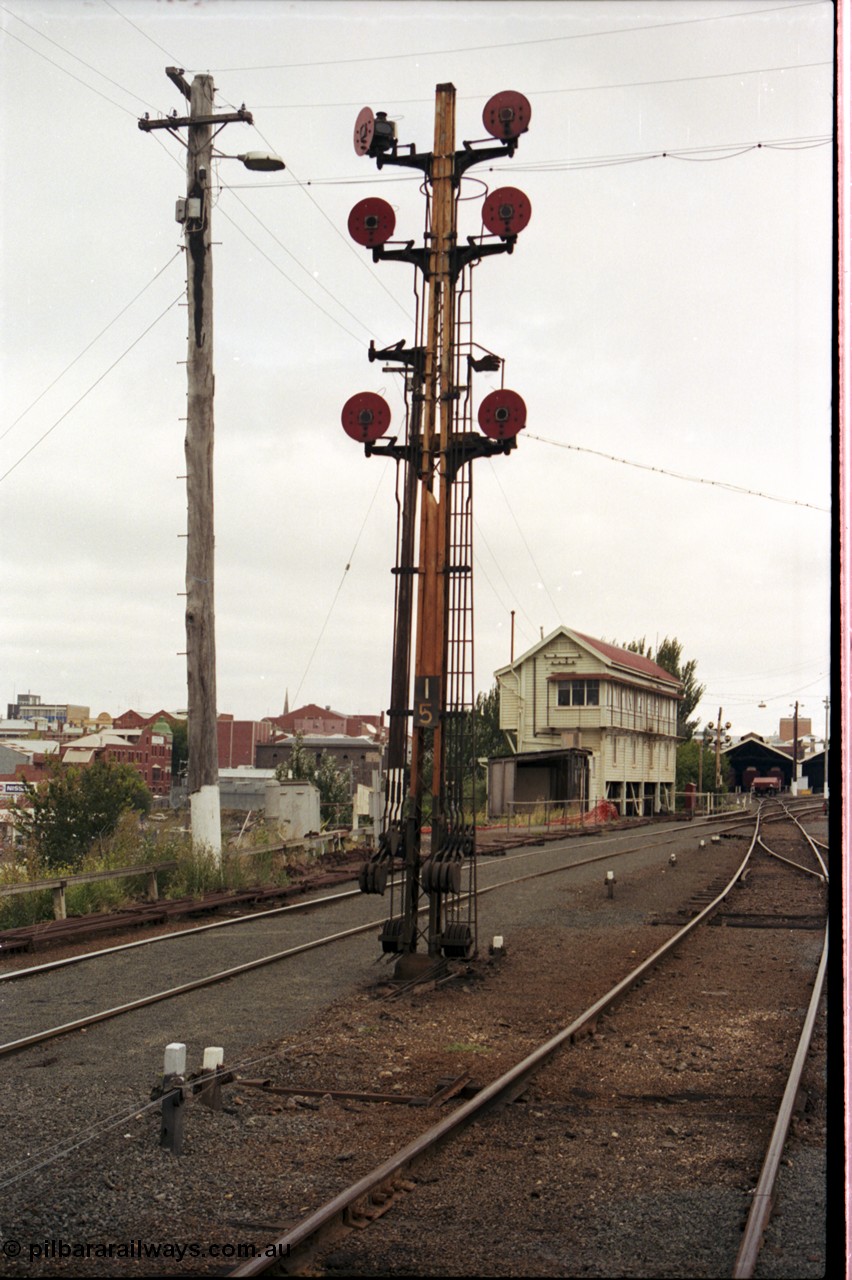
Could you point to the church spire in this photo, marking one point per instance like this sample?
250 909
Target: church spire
286 711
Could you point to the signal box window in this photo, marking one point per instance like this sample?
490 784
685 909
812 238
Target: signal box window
578 693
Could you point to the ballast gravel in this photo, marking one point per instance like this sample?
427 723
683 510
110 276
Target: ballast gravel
602 1168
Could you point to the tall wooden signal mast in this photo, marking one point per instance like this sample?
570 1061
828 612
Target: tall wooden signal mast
434 544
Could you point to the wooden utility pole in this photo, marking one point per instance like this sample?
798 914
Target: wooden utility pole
203 762
195 213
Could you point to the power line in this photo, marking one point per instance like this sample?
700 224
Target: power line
66 72
349 245
299 264
583 88
708 151
339 586
125 18
69 54
517 44
555 606
676 153
79 400
677 475
290 279
88 347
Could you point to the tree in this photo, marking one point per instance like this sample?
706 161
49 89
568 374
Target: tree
689 767
180 748
669 657
333 786
77 806
490 738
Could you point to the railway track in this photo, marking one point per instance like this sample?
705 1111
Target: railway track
553 1096
297 1146
22 1014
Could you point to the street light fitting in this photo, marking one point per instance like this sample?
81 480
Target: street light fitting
264 161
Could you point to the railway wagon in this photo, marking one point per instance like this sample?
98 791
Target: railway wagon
766 786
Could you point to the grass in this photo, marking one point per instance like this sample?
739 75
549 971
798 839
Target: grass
197 872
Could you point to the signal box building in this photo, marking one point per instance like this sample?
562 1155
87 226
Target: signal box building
593 718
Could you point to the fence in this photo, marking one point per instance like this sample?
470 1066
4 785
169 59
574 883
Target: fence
708 803
58 884
542 815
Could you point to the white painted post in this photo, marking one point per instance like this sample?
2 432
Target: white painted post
171 1128
211 1093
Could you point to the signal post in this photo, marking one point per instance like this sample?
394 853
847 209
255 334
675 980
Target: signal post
435 462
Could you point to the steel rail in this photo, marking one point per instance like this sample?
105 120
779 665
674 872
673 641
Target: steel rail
389 1177
39 969
764 1195
14 1046
36 969
814 850
52 1033
790 863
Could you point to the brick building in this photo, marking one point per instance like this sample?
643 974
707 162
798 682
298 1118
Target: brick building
148 750
311 719
238 740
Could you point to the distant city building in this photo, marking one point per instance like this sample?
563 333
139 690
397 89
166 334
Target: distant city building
788 727
238 740
148 750
314 719
29 706
356 757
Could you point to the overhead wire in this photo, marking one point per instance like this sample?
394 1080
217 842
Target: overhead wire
678 475
89 345
300 265
582 88
518 44
347 242
347 567
115 83
91 388
290 279
556 609
59 67
735 149
142 33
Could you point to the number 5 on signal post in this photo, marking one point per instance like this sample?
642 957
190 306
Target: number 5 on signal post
427 701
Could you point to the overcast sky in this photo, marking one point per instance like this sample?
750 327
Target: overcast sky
666 317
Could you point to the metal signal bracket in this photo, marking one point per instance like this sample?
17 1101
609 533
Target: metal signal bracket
414 357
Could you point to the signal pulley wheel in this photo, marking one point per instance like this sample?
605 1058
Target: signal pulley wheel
365 417
502 415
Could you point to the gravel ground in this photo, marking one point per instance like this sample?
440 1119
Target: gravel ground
553 1185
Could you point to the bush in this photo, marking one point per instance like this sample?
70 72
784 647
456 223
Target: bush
79 807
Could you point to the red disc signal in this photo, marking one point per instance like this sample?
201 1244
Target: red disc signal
507 115
371 222
364 128
502 415
365 416
506 211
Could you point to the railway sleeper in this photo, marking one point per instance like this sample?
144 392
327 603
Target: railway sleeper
376 1203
